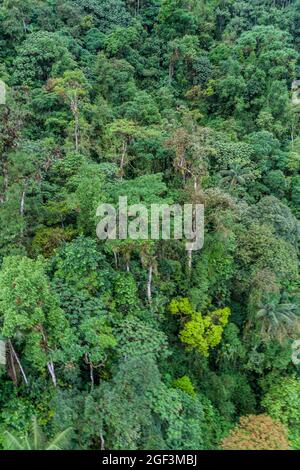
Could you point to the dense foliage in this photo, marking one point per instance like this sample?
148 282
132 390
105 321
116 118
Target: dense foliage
138 344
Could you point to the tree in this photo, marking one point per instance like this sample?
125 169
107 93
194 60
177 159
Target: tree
184 49
114 79
105 423
86 196
257 433
271 211
11 123
123 133
137 338
259 249
33 318
16 17
199 332
278 320
36 440
192 151
281 402
108 14
184 383
97 340
125 292
255 73
81 280
214 271
175 18
156 416
30 66
236 175
73 89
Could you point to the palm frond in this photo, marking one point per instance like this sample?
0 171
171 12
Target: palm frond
11 442
37 437
60 441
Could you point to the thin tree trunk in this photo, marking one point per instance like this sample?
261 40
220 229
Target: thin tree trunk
92 375
91 367
195 184
18 361
11 366
102 445
22 203
50 366
76 133
190 259
149 284
91 371
116 260
5 182
122 162
24 26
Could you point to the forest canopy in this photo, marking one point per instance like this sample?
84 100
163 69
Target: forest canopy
130 344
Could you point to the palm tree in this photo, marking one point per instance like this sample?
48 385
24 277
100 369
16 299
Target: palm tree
279 320
36 440
236 174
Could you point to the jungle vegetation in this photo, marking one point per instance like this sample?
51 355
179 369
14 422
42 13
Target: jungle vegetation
130 344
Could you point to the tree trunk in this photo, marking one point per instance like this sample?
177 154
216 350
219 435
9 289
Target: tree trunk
91 367
24 26
50 366
15 356
89 362
122 162
195 184
22 203
102 443
92 375
5 181
190 259
76 133
11 364
149 284
116 259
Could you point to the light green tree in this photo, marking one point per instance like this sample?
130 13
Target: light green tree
199 332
